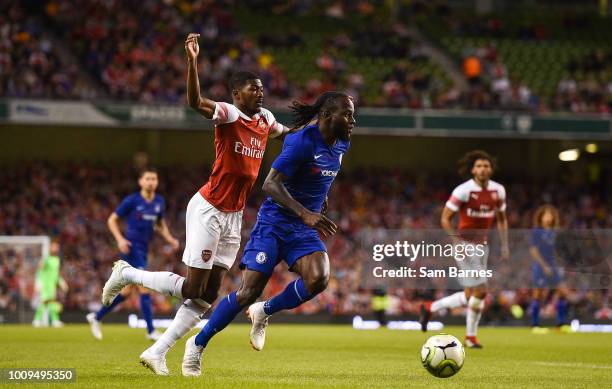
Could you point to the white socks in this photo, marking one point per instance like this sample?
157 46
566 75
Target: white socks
186 318
474 312
453 301
164 282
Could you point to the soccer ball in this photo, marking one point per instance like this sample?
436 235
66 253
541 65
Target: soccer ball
442 355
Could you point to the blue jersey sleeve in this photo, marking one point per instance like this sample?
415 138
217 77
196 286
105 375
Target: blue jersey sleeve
294 153
125 207
162 212
534 238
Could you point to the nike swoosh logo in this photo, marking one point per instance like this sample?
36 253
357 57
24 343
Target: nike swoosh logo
318 156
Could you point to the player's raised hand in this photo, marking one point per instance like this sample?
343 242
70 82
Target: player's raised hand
320 222
124 245
191 46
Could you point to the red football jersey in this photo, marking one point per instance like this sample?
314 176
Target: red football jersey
240 142
476 207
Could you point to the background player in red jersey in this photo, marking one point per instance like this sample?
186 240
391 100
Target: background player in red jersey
478 201
214 213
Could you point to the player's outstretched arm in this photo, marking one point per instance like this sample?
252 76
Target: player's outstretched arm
273 186
204 106
282 131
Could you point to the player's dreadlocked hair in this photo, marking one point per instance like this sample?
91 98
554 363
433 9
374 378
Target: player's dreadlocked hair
303 113
466 163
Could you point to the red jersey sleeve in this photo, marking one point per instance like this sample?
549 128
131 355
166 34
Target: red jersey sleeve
224 113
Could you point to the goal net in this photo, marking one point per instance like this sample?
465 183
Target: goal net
19 258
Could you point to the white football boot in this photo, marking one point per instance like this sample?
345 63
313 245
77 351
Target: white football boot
115 283
94 325
260 322
192 359
154 362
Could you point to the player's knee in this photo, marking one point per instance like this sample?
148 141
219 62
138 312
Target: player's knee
210 295
317 283
191 291
247 295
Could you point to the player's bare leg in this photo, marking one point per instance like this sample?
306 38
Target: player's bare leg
474 313
314 271
190 313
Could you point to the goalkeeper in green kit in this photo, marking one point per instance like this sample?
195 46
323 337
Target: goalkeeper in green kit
47 280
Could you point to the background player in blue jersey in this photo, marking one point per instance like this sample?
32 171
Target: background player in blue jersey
143 212
290 223
546 273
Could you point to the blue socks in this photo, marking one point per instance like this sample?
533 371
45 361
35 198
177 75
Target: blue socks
145 307
294 295
226 311
535 313
561 311
104 310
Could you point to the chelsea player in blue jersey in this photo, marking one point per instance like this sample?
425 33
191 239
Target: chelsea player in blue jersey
144 213
547 274
290 223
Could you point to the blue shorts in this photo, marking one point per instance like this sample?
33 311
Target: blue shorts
137 257
271 243
541 280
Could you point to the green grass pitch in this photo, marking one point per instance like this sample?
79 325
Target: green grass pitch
315 356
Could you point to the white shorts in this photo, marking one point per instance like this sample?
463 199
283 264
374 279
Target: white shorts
213 236
474 262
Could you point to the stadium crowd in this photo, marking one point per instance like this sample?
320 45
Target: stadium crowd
133 51
72 201
30 63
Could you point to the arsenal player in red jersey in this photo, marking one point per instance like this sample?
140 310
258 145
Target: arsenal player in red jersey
478 201
214 213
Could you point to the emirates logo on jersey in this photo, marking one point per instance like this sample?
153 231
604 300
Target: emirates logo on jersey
481 213
252 150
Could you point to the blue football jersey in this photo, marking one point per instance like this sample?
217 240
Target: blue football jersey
311 166
544 241
141 217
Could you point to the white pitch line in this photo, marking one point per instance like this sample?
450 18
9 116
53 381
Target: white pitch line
572 364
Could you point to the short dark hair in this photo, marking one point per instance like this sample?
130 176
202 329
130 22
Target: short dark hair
240 78
146 169
466 163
